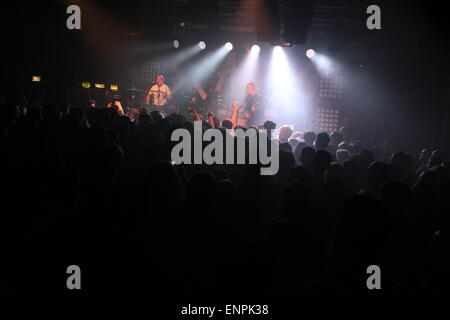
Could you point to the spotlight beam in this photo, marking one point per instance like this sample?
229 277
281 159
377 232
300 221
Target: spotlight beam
246 72
208 64
324 64
181 55
282 81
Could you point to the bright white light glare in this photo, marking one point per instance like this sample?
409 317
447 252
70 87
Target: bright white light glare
202 45
278 50
279 64
310 53
176 43
229 46
282 82
280 70
255 48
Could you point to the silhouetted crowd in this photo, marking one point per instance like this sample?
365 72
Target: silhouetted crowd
92 188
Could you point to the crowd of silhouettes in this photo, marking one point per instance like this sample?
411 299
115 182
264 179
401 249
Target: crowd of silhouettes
92 188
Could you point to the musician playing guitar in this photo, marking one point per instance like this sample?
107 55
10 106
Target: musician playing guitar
158 94
253 110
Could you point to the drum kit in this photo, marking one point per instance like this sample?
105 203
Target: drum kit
136 104
133 111
133 102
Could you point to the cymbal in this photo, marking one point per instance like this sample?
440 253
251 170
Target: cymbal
134 90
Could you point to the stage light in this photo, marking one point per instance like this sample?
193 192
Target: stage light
310 53
86 84
326 120
176 44
229 46
36 79
255 48
99 86
114 87
331 87
202 45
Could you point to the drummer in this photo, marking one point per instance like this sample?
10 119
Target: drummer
159 94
